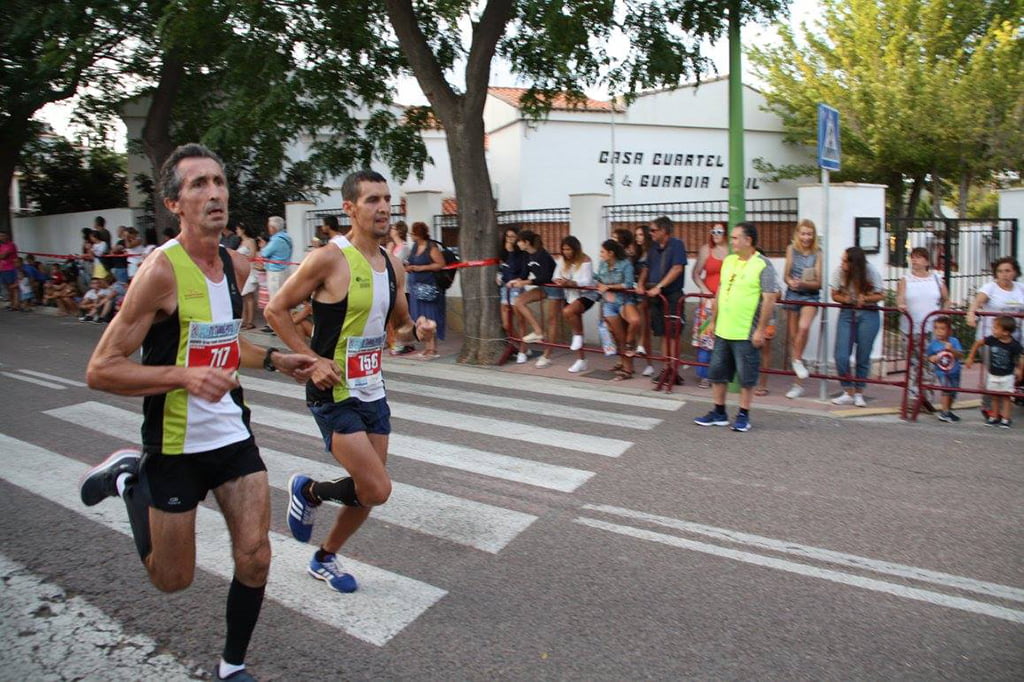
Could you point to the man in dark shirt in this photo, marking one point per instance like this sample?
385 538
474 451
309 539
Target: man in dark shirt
662 282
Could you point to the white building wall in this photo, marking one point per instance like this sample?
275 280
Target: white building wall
62 234
506 145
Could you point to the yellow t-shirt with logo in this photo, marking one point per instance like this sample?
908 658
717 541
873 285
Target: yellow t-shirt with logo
739 295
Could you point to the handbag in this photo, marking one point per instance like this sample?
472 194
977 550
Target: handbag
426 292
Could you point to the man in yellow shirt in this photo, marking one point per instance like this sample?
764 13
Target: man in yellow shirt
741 311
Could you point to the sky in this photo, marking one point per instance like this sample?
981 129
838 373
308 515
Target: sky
409 93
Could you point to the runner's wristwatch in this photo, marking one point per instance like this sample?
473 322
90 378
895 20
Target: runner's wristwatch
267 362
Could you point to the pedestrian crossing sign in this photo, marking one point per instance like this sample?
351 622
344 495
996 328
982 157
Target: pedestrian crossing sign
828 137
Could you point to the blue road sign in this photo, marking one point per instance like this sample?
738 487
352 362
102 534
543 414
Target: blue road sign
828 137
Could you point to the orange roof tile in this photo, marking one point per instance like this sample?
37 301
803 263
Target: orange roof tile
561 101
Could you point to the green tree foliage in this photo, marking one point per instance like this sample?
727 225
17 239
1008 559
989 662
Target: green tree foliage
559 46
59 177
49 50
251 79
927 89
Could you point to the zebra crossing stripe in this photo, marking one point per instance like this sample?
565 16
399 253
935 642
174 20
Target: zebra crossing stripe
561 410
474 524
482 526
75 640
51 377
544 385
383 606
32 380
119 423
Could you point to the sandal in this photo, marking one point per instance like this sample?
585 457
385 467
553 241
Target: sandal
704 383
248 326
630 350
759 391
617 367
425 355
623 375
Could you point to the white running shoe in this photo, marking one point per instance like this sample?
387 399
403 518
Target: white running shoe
648 371
800 369
858 400
843 399
521 359
533 337
640 350
578 366
577 342
796 392
543 362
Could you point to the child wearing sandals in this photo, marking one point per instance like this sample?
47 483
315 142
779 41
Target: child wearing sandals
615 275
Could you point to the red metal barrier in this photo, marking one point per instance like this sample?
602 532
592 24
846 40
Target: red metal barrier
923 337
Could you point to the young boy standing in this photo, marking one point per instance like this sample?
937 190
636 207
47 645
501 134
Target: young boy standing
944 352
1005 359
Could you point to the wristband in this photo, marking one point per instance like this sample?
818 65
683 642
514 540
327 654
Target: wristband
267 363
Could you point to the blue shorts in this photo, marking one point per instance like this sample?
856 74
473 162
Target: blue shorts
734 357
351 415
809 296
611 308
554 293
8 277
948 380
509 295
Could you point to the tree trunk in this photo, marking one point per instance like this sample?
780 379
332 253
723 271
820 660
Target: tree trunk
156 132
896 191
965 190
936 195
484 340
13 135
462 118
915 196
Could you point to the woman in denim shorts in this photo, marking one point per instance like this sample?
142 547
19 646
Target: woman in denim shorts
802 275
614 276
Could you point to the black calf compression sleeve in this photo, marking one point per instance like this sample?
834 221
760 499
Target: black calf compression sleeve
342 490
136 499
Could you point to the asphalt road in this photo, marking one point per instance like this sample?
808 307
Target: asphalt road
536 533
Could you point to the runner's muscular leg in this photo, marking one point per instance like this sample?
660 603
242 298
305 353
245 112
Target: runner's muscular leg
245 503
171 562
364 457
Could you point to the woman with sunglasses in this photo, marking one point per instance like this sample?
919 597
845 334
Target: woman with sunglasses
707 275
802 273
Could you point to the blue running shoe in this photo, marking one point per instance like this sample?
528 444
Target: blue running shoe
330 571
713 418
100 482
237 676
742 423
300 510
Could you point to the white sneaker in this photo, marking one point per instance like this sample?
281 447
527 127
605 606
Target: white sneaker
578 366
640 350
533 337
800 370
796 392
577 342
543 362
521 359
648 371
843 399
858 400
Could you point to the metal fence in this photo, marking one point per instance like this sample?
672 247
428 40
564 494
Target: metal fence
315 218
775 220
961 250
552 224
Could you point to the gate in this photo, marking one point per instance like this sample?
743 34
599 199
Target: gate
552 224
315 218
775 220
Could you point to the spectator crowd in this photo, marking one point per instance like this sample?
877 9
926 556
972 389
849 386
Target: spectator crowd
636 284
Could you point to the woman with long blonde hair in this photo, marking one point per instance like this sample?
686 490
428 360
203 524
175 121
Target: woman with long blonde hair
802 275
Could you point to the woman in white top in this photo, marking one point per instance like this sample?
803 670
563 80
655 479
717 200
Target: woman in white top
251 287
1002 295
575 269
918 293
